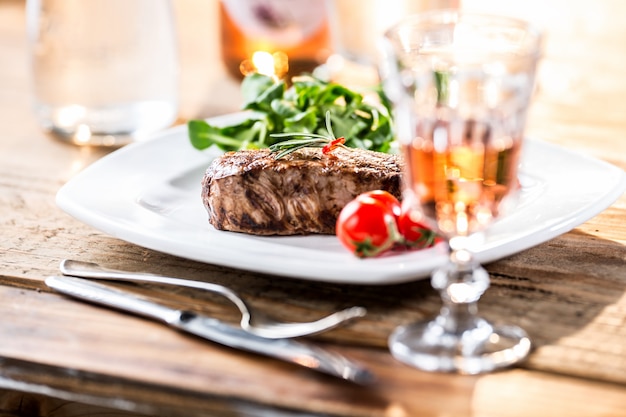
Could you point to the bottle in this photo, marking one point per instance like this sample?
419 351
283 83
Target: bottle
292 34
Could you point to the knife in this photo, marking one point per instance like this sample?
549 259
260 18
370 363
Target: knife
300 353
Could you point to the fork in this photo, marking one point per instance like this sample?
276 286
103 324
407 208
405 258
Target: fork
252 321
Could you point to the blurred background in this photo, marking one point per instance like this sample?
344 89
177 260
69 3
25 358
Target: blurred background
575 31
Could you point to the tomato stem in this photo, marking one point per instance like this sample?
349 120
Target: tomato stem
427 238
367 249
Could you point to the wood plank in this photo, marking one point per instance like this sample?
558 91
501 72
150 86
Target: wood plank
93 344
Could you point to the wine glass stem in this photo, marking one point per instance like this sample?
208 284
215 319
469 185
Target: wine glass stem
460 283
459 339
458 317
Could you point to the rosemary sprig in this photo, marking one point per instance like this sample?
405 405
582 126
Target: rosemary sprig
307 140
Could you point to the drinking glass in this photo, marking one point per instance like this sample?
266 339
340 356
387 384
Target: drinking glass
460 84
355 25
105 72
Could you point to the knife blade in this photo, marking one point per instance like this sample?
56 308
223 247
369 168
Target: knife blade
296 352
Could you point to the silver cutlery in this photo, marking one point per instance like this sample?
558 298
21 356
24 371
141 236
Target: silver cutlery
252 321
296 352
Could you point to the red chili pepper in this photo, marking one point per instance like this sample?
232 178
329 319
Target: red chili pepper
333 145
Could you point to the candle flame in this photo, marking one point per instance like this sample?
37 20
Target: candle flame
273 65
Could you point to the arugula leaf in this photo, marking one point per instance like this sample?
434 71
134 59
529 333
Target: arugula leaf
254 87
301 108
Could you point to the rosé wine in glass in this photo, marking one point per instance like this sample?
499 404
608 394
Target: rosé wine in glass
460 84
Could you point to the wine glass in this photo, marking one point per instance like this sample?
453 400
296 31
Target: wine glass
460 84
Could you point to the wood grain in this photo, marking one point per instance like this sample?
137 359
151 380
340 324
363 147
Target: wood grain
79 337
569 293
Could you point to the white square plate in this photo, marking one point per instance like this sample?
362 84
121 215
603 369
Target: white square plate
148 194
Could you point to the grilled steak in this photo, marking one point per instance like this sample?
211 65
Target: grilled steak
301 193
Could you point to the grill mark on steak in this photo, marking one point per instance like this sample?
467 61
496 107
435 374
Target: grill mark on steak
302 193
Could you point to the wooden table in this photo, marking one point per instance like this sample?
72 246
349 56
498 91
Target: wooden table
62 357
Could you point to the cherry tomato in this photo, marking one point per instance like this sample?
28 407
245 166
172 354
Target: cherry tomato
386 198
415 233
367 227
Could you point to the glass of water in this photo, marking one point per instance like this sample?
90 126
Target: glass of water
105 72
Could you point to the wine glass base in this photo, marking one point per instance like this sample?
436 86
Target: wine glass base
481 348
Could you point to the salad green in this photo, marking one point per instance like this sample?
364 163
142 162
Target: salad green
274 110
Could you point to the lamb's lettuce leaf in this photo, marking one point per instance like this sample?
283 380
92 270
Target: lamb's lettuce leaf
275 108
